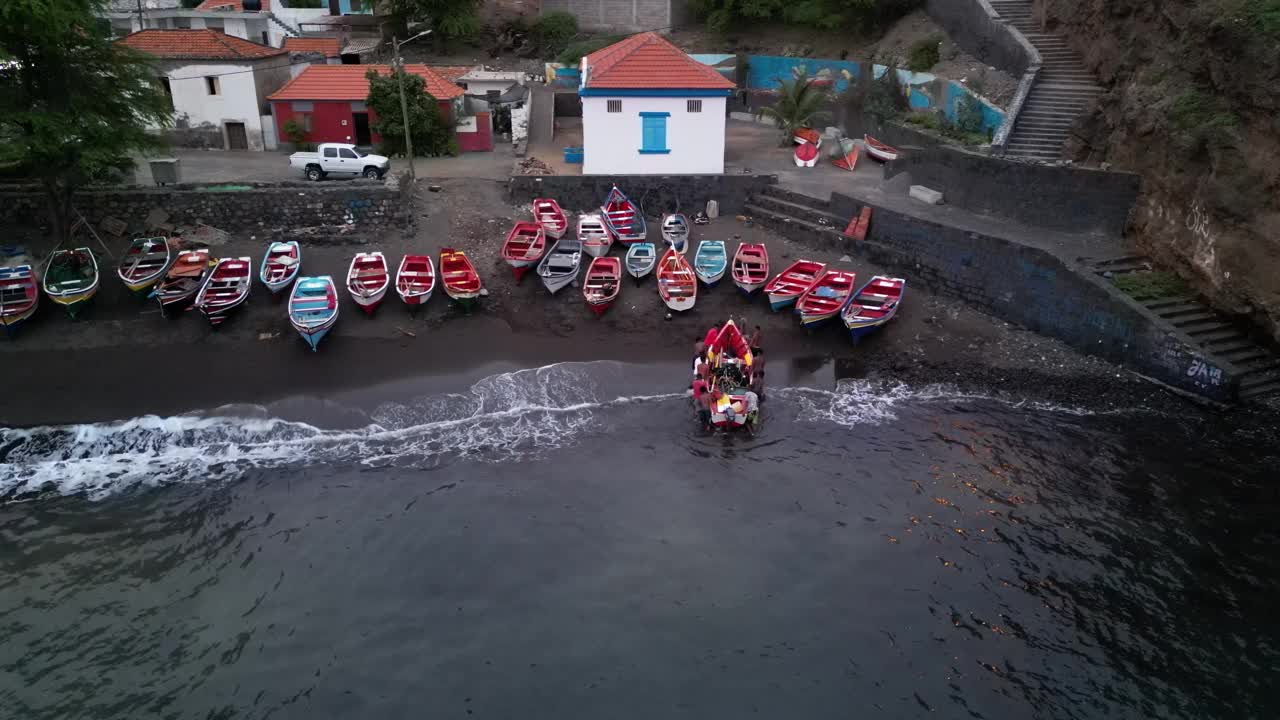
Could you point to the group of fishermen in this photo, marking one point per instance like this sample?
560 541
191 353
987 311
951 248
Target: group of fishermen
712 381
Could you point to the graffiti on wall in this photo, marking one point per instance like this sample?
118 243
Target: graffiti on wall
1189 220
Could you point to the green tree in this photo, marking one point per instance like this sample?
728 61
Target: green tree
862 15
801 103
886 98
448 19
432 134
77 106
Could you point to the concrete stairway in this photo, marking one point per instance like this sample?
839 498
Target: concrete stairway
1063 89
1223 341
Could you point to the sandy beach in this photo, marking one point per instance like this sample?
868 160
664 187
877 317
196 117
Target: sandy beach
124 359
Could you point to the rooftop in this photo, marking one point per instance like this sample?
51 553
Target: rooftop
229 5
326 46
348 82
197 45
649 61
453 72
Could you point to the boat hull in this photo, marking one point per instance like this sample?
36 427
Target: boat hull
781 302
142 288
595 251
811 320
860 330
313 336
370 303
520 268
466 301
710 279
16 320
748 289
600 308
216 315
680 304
416 300
75 303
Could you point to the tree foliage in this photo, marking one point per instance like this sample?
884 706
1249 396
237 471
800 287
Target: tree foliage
449 19
432 134
554 31
886 98
77 106
724 15
801 103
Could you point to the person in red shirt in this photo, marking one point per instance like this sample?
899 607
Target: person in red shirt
701 395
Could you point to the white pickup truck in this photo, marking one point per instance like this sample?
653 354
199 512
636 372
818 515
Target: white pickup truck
339 159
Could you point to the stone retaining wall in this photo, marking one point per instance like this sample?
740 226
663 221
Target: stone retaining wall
1058 198
261 207
977 28
655 193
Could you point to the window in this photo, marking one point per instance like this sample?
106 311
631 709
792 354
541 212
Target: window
302 107
654 133
266 39
331 152
359 107
614 106
347 154
693 106
167 88
211 83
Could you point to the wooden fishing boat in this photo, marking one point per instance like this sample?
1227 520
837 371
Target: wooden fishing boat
280 265
750 267
878 150
825 298
460 279
313 308
710 262
524 247
790 283
603 283
640 259
548 214
71 279
677 285
415 279
873 305
735 382
226 289
145 263
624 218
368 279
560 265
19 294
675 232
594 235
847 156
183 280
806 155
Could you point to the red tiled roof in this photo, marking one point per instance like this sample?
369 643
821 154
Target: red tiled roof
649 61
452 72
348 82
230 5
327 46
196 45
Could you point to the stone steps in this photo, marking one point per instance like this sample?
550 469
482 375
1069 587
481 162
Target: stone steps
806 201
797 210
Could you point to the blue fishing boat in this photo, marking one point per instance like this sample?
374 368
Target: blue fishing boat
313 308
280 265
710 262
640 260
873 306
624 218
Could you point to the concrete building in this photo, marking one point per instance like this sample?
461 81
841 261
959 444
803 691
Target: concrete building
650 109
267 22
329 102
218 84
621 15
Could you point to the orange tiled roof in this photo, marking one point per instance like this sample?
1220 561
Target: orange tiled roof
452 72
327 46
196 45
230 5
649 61
348 82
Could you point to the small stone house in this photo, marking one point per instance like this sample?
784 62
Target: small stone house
650 109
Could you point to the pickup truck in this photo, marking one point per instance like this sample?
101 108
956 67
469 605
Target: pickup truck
339 159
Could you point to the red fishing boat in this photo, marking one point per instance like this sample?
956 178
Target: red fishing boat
750 267
878 150
19 294
415 280
524 247
368 279
226 289
825 298
461 281
604 282
790 283
733 382
624 218
548 214
677 285
873 305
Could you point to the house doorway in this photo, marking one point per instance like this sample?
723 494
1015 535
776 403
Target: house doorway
361 122
237 137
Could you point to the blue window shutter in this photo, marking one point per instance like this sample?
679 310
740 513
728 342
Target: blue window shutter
654 133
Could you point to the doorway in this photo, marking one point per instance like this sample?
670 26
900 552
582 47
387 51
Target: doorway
237 138
361 122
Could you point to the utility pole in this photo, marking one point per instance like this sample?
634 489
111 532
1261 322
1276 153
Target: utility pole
142 23
398 67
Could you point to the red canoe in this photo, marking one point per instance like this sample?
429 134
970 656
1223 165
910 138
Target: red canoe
825 298
524 247
790 283
548 214
750 267
604 281
416 279
878 150
677 285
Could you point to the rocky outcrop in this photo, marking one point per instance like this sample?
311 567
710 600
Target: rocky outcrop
1193 105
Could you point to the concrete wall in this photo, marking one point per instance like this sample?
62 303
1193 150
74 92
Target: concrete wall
974 26
1059 198
656 193
370 205
236 101
616 15
612 141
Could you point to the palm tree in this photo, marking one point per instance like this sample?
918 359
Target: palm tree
800 104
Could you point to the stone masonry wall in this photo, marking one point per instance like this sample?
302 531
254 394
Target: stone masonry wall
370 205
617 15
655 193
974 26
1058 198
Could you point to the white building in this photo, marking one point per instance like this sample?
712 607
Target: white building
267 22
218 84
650 109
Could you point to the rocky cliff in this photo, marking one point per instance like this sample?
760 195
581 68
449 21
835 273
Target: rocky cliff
1193 105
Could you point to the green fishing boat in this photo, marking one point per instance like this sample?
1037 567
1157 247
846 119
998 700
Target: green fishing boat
71 279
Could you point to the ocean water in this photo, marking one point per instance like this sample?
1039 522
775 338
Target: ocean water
563 542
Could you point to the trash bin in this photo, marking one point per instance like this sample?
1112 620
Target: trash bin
166 171
573 155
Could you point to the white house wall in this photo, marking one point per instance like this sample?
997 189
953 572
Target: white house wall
612 141
237 100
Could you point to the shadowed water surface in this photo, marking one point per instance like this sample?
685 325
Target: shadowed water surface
561 543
